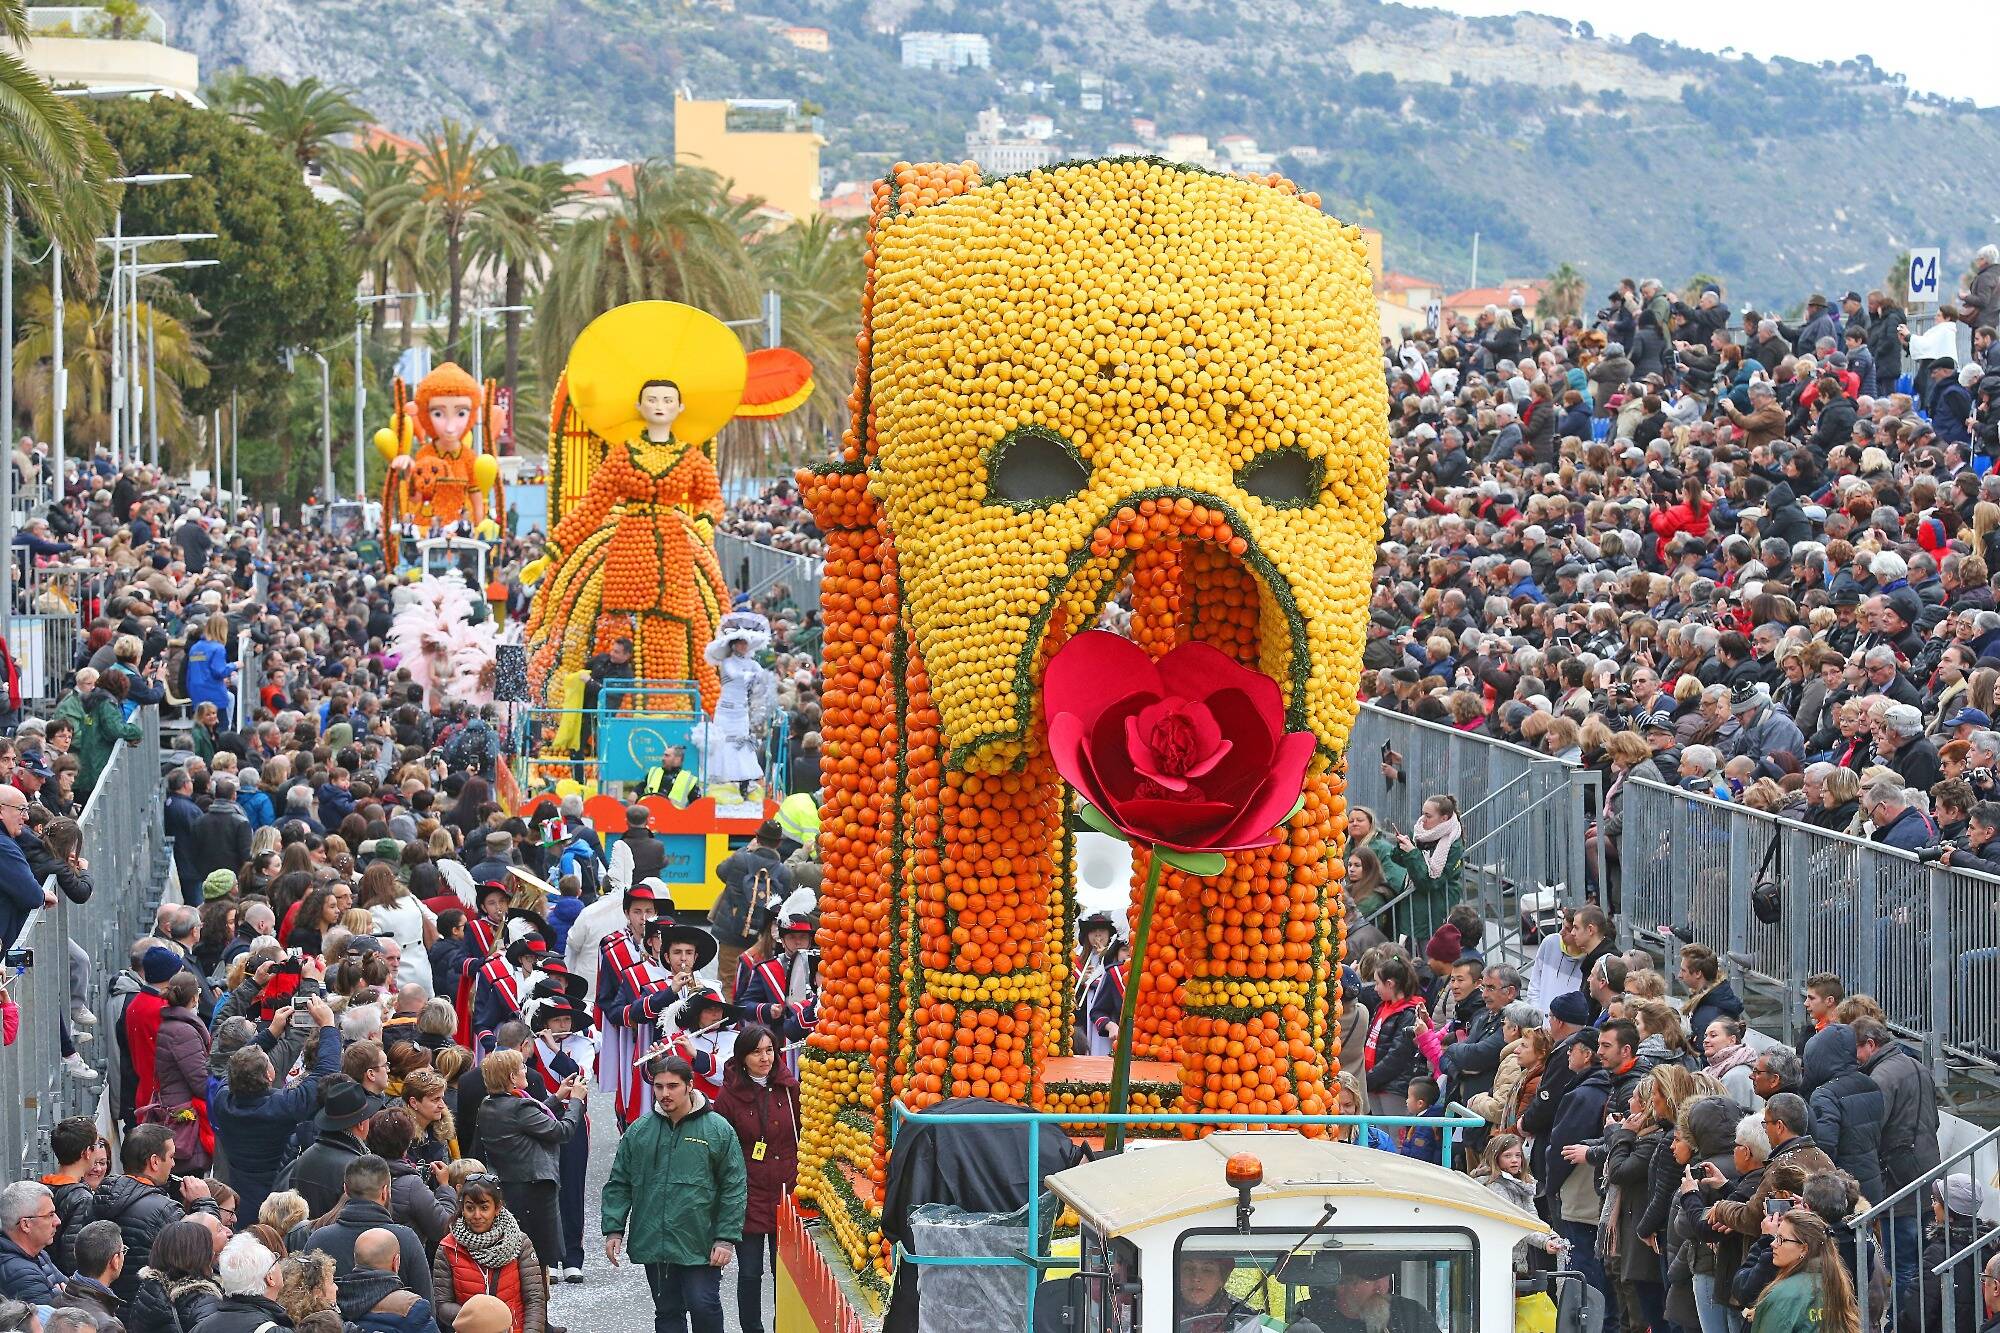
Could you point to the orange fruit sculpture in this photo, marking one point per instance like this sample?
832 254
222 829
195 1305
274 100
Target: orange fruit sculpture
1093 375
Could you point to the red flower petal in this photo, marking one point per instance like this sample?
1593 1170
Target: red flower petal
1204 742
1198 670
1105 747
1252 742
1066 751
1094 670
1183 824
1274 799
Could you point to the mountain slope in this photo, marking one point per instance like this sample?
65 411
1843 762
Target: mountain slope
1636 158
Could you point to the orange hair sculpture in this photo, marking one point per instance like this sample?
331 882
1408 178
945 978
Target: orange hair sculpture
435 473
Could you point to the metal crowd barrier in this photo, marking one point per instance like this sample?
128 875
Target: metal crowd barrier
1523 814
249 678
752 569
121 844
44 648
1924 940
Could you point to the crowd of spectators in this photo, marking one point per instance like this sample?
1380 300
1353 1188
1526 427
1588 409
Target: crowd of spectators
1741 557
333 1112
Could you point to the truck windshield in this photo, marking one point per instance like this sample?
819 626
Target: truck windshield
1337 1282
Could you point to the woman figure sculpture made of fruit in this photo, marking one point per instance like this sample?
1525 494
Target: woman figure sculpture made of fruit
636 557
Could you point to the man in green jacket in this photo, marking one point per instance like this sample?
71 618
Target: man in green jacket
679 1180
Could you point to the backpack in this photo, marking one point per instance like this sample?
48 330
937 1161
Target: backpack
585 866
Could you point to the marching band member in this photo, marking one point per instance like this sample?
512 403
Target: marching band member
633 1024
564 1046
1107 1001
782 992
504 981
625 947
1095 935
701 1030
482 934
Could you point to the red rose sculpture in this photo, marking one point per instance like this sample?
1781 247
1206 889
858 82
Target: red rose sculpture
1189 752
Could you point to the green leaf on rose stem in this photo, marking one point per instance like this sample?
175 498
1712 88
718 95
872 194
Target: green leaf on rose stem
1097 819
1204 864
1297 806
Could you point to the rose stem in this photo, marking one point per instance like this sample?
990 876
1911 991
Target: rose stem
1121 1057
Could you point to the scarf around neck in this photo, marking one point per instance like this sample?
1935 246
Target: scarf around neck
1436 842
496 1247
1382 1015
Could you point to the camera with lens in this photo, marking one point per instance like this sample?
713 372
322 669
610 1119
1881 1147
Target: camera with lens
1558 531
1936 851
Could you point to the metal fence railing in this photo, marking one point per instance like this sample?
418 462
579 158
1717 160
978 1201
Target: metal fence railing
1524 814
44 649
752 569
121 844
1923 939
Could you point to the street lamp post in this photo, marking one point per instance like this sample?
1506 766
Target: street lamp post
479 314
134 271
326 425
361 389
122 367
58 377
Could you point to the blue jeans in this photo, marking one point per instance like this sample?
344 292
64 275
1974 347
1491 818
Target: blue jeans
750 1255
1715 1316
1906 1246
686 1297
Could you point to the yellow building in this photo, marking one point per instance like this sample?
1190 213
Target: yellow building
766 147
73 45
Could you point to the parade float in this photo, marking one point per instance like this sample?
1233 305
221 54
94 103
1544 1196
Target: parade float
438 483
1100 375
629 567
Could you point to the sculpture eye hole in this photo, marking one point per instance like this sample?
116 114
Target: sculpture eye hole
1034 467
1286 478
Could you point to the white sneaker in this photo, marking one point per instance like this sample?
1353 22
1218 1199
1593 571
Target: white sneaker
80 1013
573 1275
79 1036
73 1064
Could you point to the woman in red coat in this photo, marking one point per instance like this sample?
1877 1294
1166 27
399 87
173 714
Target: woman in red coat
1689 516
761 1100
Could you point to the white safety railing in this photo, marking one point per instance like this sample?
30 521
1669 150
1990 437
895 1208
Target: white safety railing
121 843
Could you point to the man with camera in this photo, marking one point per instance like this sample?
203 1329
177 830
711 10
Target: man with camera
1980 830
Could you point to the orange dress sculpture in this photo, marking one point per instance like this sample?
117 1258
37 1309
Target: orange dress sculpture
634 557
636 560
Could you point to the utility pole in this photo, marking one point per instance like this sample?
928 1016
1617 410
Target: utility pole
235 476
59 378
1475 261
326 424
153 411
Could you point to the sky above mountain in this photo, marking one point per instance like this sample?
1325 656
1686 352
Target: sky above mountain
1931 43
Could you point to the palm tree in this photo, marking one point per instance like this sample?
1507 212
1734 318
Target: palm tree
519 238
303 118
675 235
816 269
87 357
1692 290
52 156
393 256
454 188
1563 297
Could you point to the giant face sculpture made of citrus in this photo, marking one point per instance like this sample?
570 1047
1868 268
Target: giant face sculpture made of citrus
1088 374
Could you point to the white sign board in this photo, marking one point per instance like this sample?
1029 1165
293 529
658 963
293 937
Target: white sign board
1924 276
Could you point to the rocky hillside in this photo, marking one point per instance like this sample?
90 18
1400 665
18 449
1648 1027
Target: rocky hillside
1623 158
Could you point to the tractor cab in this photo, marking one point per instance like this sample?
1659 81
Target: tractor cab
1273 1231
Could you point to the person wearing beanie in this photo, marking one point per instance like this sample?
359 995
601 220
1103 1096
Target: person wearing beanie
219 884
141 1020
